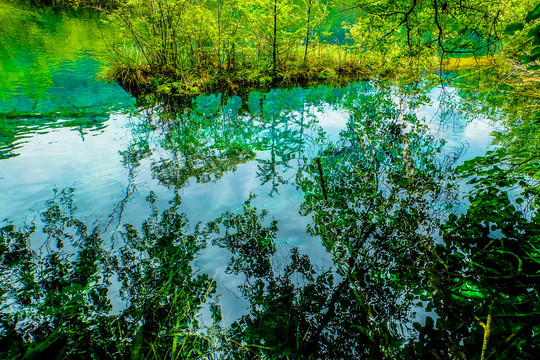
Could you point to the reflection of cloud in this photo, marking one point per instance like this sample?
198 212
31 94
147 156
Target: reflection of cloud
332 121
206 201
477 134
478 131
458 129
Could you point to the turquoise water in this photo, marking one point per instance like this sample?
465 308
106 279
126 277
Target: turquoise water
48 72
80 161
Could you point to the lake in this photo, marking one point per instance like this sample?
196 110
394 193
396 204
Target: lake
369 221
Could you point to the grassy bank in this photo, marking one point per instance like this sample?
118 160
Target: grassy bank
176 48
332 64
183 48
187 47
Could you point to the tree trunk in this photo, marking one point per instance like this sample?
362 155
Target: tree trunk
274 44
308 30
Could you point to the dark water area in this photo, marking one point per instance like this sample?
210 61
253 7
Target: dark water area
362 222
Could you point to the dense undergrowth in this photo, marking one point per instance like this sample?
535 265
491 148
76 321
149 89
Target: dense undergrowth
177 47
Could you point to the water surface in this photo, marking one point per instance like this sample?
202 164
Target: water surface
215 220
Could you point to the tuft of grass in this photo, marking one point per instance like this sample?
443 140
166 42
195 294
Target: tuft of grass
128 67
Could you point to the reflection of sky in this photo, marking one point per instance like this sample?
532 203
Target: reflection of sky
460 130
92 164
332 120
63 158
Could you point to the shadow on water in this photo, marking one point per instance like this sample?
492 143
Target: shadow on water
431 257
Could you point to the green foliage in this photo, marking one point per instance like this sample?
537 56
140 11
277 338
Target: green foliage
532 35
382 184
269 42
72 4
449 28
486 270
378 198
196 44
228 44
161 316
60 298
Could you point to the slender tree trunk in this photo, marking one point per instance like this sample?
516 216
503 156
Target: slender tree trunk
233 56
274 45
219 33
308 30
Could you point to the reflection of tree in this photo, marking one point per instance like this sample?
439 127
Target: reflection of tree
52 303
385 196
16 126
199 146
289 123
516 112
209 140
286 119
192 155
284 303
382 217
381 186
485 277
56 305
164 293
